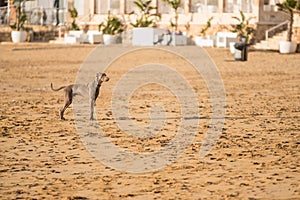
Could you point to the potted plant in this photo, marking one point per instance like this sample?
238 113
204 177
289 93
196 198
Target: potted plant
244 33
74 34
243 28
111 29
146 16
19 34
174 4
177 37
289 7
74 14
144 23
202 40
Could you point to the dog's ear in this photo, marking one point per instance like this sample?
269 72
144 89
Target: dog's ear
98 75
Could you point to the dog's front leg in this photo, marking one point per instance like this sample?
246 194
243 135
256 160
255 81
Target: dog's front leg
92 105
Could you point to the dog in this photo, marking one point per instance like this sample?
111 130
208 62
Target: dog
90 90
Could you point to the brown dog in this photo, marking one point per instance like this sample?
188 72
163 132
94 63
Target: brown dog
91 90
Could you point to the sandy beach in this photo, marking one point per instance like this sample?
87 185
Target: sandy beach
257 155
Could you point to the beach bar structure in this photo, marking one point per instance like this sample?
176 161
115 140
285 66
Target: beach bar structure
193 13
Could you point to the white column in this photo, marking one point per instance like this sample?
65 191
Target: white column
221 6
186 6
122 7
79 5
108 6
92 8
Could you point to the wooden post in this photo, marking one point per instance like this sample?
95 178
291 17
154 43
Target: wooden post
260 10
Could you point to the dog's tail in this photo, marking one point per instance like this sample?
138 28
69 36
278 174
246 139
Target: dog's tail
62 87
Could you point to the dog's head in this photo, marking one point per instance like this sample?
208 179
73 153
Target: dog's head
102 77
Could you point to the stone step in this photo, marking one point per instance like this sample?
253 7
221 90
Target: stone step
271 43
279 37
57 40
268 45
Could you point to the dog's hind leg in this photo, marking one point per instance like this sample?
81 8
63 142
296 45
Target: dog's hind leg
63 109
68 102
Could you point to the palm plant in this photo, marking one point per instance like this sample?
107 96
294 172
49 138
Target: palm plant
21 17
207 26
112 26
147 14
243 29
289 7
73 13
174 4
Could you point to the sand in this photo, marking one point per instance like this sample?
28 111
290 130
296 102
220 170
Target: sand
256 156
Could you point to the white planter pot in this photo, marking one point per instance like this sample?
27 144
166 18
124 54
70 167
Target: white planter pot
95 37
148 36
143 36
18 36
111 39
179 40
198 40
71 39
287 47
231 47
204 41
